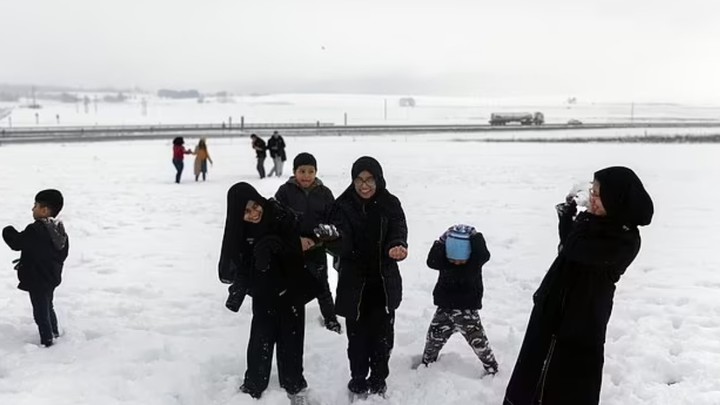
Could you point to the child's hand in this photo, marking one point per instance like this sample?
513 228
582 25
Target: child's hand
398 253
307 244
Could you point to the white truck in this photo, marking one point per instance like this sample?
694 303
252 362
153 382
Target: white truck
522 118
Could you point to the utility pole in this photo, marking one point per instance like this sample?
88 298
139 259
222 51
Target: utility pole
632 112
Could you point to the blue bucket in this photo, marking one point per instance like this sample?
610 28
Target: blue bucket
457 246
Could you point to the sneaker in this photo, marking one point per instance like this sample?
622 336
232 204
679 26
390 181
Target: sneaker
333 325
244 388
358 386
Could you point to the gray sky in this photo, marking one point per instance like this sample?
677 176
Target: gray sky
655 50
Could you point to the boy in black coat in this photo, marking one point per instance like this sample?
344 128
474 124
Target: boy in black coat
459 255
262 257
370 234
44 247
310 200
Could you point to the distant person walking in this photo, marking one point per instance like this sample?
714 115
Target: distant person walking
202 157
179 153
276 145
260 150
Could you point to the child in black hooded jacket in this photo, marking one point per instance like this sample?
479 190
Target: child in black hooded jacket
44 247
371 238
262 257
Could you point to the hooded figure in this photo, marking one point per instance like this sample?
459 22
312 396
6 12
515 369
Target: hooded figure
264 259
561 358
372 227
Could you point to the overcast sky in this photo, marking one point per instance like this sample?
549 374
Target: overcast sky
655 50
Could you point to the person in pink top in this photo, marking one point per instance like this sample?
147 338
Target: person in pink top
179 153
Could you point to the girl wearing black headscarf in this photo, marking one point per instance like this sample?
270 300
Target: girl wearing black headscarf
561 358
262 257
372 239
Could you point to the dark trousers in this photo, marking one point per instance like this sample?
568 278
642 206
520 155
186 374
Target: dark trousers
261 167
44 315
325 298
466 321
179 165
281 325
370 342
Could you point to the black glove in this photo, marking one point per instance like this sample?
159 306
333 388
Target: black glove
264 251
567 208
326 232
235 300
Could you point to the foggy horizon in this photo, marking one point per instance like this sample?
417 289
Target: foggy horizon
598 50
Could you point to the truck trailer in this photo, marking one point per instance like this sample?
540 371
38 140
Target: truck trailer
522 118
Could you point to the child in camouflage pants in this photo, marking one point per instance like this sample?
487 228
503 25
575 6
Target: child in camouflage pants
459 255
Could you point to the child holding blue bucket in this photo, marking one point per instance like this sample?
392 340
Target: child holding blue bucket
459 255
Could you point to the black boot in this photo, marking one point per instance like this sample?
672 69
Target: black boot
250 391
358 386
377 386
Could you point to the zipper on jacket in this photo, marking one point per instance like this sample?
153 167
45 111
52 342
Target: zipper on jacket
543 374
382 277
362 287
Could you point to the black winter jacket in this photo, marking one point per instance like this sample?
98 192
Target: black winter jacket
276 146
573 304
459 286
312 207
44 246
561 357
260 148
265 260
368 229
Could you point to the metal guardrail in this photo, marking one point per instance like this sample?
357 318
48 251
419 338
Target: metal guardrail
138 132
157 128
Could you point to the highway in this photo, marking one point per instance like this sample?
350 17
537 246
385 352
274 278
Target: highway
150 132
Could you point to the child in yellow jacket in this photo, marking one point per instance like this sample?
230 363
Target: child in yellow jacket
202 157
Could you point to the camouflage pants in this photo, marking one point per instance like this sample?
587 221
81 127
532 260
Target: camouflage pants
466 321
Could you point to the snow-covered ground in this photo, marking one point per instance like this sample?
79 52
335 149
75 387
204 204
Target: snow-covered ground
142 309
355 109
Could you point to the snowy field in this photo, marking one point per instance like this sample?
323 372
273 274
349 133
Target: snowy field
332 109
142 310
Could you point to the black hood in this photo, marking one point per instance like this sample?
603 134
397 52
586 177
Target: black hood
624 197
237 231
237 198
371 165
